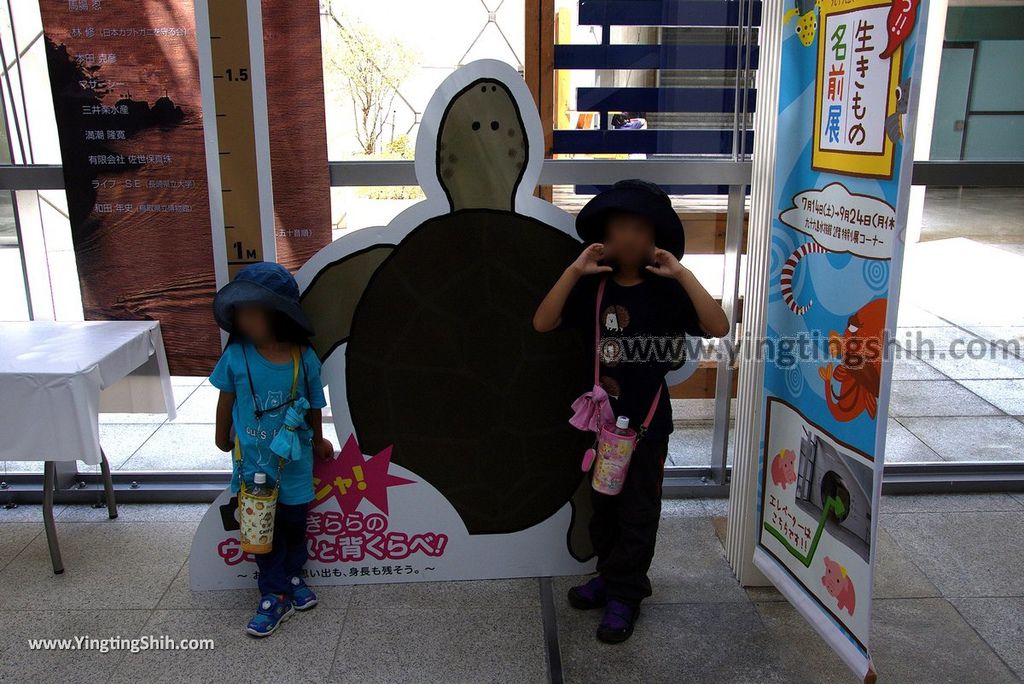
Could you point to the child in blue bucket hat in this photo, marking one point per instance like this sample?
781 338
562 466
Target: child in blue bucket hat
260 310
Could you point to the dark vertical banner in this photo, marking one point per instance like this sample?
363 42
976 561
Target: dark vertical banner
125 82
298 129
126 96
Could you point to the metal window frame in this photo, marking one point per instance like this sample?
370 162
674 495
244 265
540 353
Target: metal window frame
710 480
696 171
686 482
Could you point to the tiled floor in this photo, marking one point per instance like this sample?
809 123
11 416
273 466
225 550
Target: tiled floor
949 607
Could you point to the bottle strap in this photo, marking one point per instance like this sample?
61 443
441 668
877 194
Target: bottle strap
597 360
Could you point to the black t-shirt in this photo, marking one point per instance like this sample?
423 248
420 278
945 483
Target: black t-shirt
643 337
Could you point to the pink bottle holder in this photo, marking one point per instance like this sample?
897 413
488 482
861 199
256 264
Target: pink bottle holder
614 451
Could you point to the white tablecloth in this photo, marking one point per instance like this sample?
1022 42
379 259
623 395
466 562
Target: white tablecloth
51 376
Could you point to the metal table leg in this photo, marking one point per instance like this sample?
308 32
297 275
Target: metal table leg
49 484
108 486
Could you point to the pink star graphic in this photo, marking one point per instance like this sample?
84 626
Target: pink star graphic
350 478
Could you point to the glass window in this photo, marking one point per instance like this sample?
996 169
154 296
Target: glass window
14 301
383 60
976 115
958 385
958 379
655 81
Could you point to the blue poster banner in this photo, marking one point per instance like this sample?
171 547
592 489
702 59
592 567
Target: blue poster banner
850 73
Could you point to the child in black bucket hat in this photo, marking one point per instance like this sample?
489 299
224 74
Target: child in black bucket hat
269 342
650 302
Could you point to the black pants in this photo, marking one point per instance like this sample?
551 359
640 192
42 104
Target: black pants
288 555
624 528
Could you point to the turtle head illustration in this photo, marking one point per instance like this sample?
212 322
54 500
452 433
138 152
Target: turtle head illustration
425 324
481 147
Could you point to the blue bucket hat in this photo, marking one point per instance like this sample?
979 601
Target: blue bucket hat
265 283
633 196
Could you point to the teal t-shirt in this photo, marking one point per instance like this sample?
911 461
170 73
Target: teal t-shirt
272 383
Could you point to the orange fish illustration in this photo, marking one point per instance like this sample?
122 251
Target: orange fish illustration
859 371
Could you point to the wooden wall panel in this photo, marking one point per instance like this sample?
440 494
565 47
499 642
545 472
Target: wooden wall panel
126 93
298 130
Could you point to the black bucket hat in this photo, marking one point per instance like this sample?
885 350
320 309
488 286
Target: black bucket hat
265 283
633 196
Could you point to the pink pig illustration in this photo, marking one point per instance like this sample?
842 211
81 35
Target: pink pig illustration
839 584
783 468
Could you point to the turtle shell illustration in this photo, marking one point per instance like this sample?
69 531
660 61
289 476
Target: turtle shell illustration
441 359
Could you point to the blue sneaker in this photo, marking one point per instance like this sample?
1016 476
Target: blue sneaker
303 597
273 610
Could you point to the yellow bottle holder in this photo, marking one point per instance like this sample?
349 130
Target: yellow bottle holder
256 519
256 512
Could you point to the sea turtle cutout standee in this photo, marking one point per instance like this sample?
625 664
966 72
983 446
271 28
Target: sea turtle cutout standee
433 314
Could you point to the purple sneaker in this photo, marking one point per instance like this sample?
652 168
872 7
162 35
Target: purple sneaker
617 624
589 596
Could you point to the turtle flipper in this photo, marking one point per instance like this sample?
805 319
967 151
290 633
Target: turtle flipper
331 298
578 536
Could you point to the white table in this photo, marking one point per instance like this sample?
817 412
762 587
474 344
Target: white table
54 379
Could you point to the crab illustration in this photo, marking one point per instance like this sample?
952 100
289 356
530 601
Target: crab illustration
433 315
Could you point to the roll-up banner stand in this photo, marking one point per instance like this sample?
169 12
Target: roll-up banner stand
850 75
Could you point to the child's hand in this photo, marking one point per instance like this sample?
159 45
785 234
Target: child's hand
588 261
665 264
323 449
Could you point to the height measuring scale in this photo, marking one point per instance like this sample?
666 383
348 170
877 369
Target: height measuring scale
229 35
